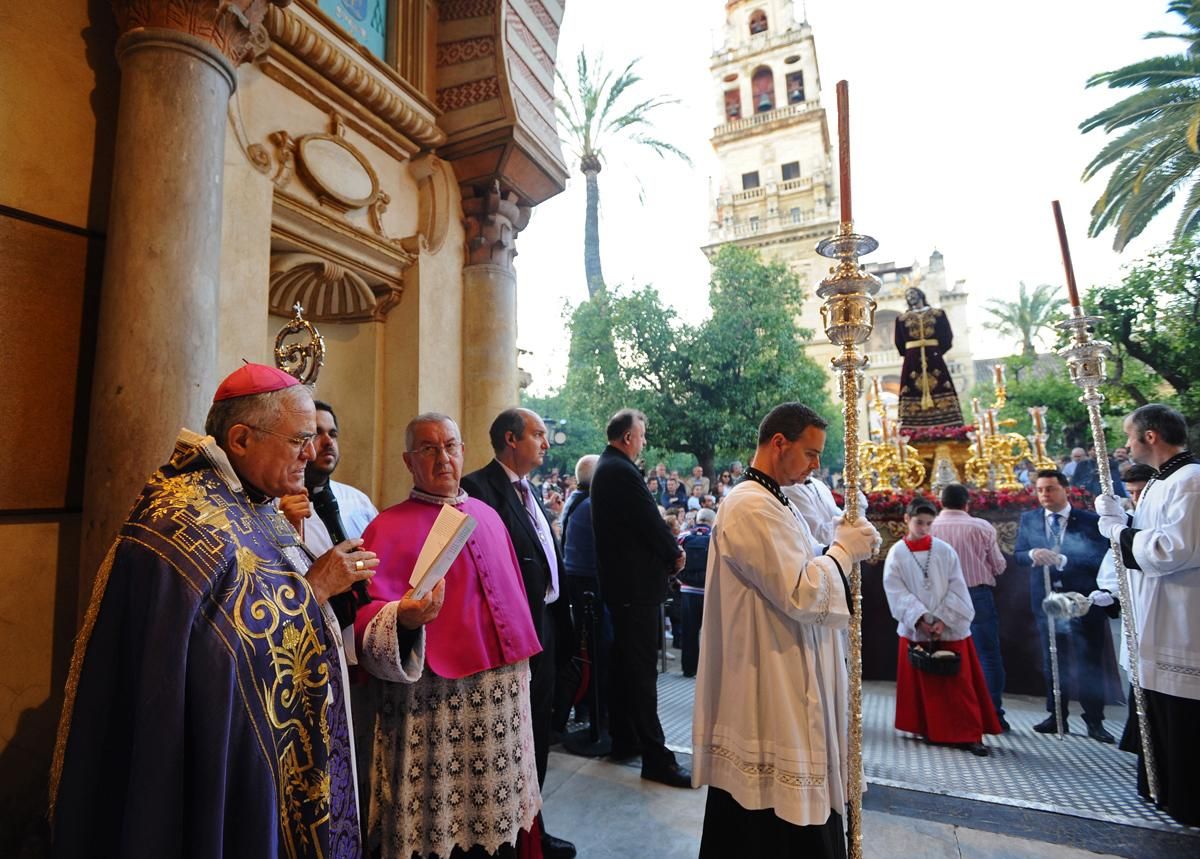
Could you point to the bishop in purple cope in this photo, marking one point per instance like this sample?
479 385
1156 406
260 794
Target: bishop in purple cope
206 713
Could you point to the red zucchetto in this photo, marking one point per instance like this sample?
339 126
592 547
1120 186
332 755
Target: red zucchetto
253 379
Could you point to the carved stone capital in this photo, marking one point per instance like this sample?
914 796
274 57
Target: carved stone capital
492 218
233 27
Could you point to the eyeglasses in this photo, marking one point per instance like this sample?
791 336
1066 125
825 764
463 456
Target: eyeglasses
298 441
431 451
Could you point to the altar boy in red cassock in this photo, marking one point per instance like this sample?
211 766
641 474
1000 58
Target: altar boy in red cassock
928 596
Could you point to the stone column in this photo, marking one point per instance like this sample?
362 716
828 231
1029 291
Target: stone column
490 382
157 337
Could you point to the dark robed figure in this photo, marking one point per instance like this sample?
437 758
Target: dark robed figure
205 712
927 395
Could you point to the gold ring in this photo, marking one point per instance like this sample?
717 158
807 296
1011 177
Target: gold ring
358 565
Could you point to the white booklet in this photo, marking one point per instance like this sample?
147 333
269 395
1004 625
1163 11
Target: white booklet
446 539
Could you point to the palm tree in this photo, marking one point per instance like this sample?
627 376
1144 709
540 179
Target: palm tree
592 114
1158 150
1027 316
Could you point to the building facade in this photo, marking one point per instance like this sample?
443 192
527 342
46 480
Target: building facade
178 174
778 181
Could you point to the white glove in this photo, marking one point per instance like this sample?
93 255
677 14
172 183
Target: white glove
1101 598
1109 505
1111 526
854 542
862 503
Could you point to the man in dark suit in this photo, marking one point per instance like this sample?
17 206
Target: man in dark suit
1066 541
519 441
635 553
1087 476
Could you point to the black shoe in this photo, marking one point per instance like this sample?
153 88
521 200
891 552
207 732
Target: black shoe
672 776
556 848
1096 732
1004 726
977 749
1048 726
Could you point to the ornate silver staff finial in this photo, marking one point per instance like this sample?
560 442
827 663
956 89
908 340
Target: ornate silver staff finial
302 359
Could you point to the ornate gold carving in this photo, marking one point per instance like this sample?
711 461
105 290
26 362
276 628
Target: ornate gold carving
292 35
493 219
233 27
302 359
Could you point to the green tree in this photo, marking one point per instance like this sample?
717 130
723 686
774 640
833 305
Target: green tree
703 388
1157 149
595 112
1151 319
1027 317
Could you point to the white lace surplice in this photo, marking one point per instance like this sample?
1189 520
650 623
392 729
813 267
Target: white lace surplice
453 763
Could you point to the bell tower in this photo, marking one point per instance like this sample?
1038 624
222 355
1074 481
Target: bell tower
777 188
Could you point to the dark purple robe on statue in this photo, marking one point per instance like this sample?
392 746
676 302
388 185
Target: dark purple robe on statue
205 714
927 394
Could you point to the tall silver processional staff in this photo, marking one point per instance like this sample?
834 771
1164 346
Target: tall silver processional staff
1085 361
849 315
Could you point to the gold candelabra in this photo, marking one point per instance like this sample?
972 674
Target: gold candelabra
888 465
848 314
1037 440
995 454
1085 356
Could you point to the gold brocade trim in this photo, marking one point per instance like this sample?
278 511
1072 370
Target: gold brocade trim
267 604
85 633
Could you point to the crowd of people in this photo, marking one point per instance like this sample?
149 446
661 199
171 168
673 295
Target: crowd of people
263 671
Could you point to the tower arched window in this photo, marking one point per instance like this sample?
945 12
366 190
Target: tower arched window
758 22
762 85
733 104
795 87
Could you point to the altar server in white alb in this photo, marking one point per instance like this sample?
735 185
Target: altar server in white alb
1161 551
818 508
770 724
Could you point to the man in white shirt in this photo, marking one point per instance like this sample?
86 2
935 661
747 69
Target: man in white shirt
1161 551
1078 455
771 742
328 512
519 441
1061 543
816 505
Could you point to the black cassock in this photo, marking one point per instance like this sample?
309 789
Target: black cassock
927 395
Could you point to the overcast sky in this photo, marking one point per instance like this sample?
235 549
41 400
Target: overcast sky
964 128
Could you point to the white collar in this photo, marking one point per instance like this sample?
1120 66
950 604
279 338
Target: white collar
1065 512
513 477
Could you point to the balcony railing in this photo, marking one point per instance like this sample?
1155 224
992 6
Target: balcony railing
760 42
775 224
737 126
748 195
